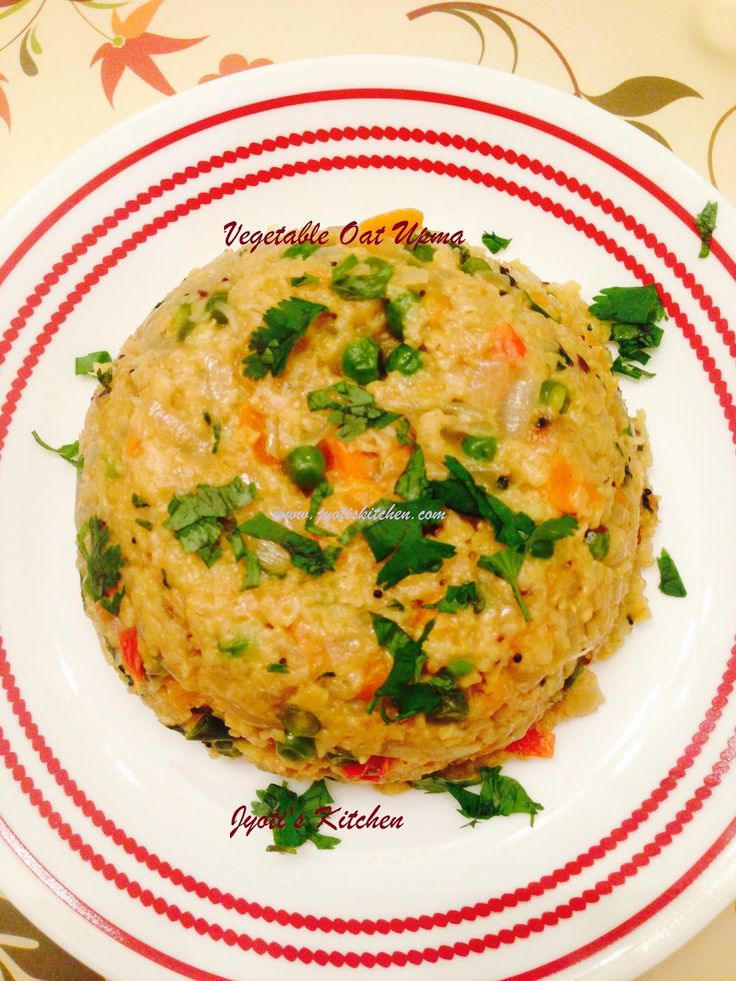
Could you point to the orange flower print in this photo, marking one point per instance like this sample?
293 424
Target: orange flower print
233 63
4 105
133 47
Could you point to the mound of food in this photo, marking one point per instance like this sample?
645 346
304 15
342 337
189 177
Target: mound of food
365 512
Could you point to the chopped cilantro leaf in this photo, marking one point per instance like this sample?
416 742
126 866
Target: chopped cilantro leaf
197 519
104 562
139 502
397 310
370 285
413 481
541 541
670 582
633 312
473 265
352 409
305 553
705 222
628 304
422 250
302 250
507 564
284 325
295 818
91 364
400 534
252 565
148 525
68 452
494 243
305 280
277 668
320 492
499 796
438 697
458 598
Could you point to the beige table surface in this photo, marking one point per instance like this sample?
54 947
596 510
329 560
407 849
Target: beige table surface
70 69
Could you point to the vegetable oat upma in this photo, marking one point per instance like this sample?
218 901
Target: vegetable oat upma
364 511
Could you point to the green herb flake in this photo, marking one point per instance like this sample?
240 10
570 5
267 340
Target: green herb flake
397 311
413 481
507 564
705 222
352 409
148 525
295 818
320 492
458 598
499 796
139 502
628 304
68 452
273 343
89 364
104 562
305 280
437 697
370 285
305 553
277 668
494 243
421 250
302 250
235 647
472 265
670 582
198 519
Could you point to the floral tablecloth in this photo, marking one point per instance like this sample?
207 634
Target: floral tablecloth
70 69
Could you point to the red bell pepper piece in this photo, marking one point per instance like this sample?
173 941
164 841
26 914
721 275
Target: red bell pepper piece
374 769
130 654
536 742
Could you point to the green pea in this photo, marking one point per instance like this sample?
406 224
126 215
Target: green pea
460 666
305 466
299 722
555 395
361 360
405 359
598 541
479 447
295 748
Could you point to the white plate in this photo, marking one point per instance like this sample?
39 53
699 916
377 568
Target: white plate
633 852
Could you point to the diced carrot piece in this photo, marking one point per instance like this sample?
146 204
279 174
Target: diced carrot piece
567 492
133 445
130 654
506 344
249 416
388 219
374 769
261 452
373 678
536 742
350 463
